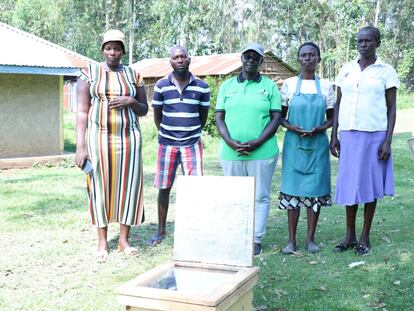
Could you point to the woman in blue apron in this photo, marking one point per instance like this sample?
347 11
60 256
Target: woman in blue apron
307 111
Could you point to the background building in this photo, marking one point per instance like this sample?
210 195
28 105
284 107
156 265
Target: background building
32 75
216 66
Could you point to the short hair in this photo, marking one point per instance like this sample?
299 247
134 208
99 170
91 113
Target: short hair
374 31
179 47
318 51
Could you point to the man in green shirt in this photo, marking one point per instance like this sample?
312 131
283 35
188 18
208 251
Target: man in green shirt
247 116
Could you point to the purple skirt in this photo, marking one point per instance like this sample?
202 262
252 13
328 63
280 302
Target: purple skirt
362 177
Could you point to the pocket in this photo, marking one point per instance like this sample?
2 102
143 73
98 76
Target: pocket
305 160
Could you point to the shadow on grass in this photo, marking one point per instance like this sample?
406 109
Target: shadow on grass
139 235
51 176
41 207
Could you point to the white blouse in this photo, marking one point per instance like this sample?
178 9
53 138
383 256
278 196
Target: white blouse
363 105
308 87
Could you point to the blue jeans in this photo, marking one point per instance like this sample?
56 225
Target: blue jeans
263 171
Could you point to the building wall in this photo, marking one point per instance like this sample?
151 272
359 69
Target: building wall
149 87
31 118
275 71
69 96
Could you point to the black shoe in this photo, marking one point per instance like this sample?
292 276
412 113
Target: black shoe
344 247
362 249
257 249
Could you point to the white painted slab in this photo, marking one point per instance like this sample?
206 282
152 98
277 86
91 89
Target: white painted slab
214 220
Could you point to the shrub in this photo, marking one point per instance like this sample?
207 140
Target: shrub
214 83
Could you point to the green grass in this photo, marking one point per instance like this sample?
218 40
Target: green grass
69 131
47 245
405 100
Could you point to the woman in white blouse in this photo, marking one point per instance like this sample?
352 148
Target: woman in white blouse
307 109
365 114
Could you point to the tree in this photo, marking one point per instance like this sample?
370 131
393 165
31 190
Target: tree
222 26
43 18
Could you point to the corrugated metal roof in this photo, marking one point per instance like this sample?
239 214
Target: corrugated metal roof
25 49
208 65
55 71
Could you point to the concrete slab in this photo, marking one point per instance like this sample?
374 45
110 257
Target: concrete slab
30 161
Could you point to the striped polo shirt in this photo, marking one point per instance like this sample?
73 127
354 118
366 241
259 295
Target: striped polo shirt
180 123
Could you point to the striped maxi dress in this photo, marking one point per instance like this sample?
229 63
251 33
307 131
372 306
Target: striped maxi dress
114 147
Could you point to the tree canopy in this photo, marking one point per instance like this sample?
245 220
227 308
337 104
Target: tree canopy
223 26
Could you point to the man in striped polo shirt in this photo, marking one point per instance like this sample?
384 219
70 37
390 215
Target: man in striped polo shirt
180 102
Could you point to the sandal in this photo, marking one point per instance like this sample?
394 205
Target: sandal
362 250
312 247
129 251
289 249
154 240
102 256
341 247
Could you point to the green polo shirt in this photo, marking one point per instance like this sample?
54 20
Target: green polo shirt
247 105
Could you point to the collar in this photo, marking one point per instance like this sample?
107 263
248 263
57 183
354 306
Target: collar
106 68
171 75
377 62
257 79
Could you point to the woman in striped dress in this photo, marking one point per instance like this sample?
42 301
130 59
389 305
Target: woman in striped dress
111 97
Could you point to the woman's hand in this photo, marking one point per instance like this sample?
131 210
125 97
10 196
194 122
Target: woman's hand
314 131
121 102
384 151
253 144
297 129
238 146
81 156
335 146
246 148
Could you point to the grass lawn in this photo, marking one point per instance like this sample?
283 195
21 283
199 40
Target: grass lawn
48 245
405 100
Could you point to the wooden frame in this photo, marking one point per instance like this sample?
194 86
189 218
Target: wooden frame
213 251
137 294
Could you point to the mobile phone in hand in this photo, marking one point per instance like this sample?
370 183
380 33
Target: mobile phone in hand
87 167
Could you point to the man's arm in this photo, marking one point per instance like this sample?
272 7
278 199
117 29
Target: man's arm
203 117
157 116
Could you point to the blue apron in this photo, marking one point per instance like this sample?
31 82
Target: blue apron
306 170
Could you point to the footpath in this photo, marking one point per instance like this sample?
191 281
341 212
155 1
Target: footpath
405 121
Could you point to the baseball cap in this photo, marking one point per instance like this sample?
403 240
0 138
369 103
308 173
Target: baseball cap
113 35
258 48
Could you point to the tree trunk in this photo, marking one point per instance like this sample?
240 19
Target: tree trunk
111 14
377 12
107 14
131 31
187 28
